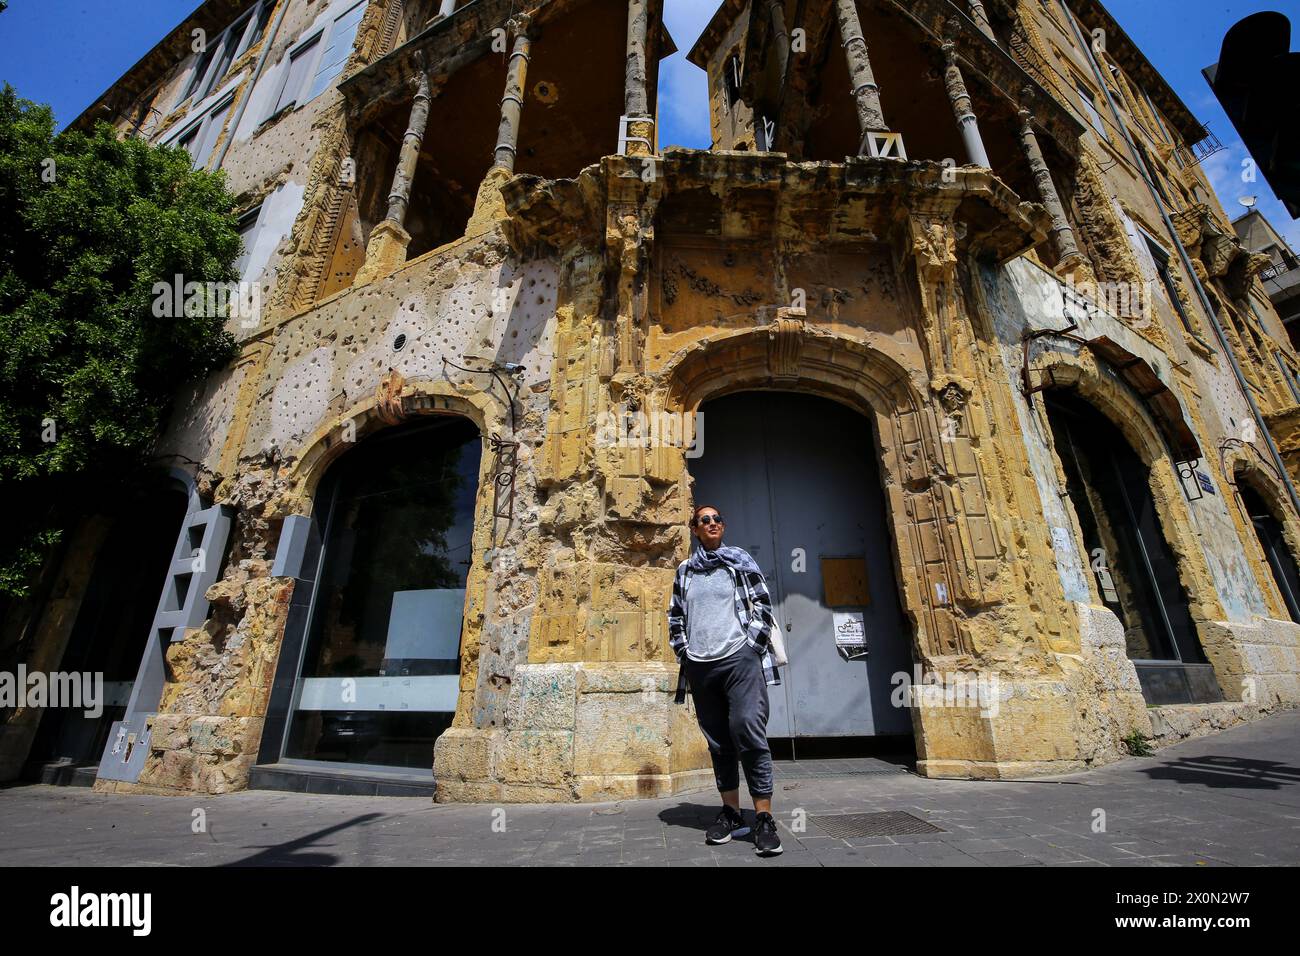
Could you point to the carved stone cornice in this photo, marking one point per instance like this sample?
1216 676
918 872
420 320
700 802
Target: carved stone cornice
861 200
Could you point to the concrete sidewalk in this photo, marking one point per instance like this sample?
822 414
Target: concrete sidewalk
1228 800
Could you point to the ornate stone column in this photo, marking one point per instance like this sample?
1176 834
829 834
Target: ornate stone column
386 249
962 109
512 101
1062 233
399 196
866 94
981 18
638 134
488 206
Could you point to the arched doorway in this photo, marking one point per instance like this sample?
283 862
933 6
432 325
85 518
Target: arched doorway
112 629
1135 569
376 665
797 480
1273 541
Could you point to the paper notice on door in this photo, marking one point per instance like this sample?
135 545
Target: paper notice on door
850 629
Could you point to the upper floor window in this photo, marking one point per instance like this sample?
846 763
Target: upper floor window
1090 108
318 58
731 74
1150 170
301 59
248 223
199 136
1160 258
220 52
1155 113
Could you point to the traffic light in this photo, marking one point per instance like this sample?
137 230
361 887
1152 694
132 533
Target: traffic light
1257 81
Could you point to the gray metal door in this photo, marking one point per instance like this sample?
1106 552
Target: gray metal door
796 478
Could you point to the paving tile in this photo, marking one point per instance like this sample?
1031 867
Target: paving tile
1159 812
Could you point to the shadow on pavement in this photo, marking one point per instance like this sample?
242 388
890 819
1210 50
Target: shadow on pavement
295 852
1227 773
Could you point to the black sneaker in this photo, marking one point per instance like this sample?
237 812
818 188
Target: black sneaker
766 841
729 823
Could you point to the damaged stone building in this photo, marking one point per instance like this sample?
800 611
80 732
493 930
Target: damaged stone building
947 322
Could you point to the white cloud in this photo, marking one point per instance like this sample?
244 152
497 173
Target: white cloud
1225 170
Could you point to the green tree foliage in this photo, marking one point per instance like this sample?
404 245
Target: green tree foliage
89 222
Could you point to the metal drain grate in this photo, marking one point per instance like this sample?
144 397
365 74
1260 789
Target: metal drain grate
792 774
809 769
889 823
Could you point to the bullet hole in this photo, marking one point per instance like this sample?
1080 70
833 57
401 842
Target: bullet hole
546 92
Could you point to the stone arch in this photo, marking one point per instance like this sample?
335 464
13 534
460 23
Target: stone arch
395 403
1125 410
943 561
1242 462
385 409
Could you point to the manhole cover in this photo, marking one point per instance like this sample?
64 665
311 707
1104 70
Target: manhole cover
889 823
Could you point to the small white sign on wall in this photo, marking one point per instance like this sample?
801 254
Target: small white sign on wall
850 629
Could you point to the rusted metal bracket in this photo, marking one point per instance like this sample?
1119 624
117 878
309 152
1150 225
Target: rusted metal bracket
1187 471
503 476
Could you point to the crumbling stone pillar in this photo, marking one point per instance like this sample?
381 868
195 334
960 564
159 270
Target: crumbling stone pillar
636 101
488 207
962 109
512 101
866 94
1062 233
386 251
981 18
780 38
399 196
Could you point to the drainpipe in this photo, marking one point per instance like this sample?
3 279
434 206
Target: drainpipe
779 34
267 42
1187 264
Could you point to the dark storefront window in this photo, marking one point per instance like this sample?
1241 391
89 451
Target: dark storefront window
381 668
1271 539
1135 569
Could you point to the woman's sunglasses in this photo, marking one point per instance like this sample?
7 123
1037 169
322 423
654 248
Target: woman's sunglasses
709 519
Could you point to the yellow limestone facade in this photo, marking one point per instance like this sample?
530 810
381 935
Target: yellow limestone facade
940 292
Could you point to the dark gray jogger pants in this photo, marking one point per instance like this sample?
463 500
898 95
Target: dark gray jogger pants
731 704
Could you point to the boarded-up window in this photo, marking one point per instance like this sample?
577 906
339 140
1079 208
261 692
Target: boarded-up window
300 61
339 48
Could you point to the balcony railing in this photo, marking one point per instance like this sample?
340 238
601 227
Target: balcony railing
1272 272
1198 152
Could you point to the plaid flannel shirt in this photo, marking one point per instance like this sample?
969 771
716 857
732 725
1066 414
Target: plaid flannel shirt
753 608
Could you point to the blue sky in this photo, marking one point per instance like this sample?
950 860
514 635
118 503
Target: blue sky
67 52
